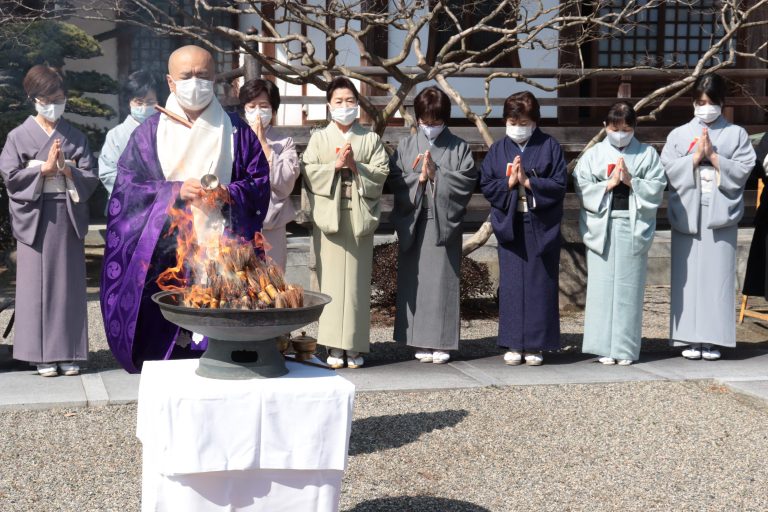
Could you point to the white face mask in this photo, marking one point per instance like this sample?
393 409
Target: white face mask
432 132
194 93
520 134
344 115
142 113
707 113
52 112
619 139
264 114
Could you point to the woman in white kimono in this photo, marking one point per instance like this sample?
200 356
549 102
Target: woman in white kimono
344 168
50 173
260 100
620 183
707 161
432 176
141 88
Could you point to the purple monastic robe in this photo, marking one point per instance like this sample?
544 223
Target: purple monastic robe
137 252
529 242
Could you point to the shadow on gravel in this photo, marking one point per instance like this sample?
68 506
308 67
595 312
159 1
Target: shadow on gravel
416 503
378 433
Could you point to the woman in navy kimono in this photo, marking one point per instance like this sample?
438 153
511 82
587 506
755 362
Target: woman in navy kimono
524 178
49 172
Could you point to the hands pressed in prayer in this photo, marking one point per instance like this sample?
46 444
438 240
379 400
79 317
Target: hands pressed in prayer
260 132
705 150
615 176
345 158
428 166
514 172
55 160
624 175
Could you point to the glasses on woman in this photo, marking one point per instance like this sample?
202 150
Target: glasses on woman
58 100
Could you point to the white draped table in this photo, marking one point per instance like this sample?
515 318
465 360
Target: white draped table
247 445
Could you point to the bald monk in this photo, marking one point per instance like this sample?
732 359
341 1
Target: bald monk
162 166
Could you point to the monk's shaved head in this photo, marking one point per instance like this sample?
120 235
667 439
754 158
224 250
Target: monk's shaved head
191 61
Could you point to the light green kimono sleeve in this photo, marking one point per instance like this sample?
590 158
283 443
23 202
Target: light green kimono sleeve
373 172
594 199
320 177
648 183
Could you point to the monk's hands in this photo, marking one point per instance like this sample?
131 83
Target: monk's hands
191 190
55 159
513 173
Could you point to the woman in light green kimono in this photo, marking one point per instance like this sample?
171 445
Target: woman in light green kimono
620 183
344 168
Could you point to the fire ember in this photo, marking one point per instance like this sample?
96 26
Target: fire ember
226 272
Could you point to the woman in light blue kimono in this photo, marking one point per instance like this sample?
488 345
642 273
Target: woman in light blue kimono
620 183
707 161
141 89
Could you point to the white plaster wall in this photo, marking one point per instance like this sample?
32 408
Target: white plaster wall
107 64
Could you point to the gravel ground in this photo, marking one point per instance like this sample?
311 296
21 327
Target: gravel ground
635 446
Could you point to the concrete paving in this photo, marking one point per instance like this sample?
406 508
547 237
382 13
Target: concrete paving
744 370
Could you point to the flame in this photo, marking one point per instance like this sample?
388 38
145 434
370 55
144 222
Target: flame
229 272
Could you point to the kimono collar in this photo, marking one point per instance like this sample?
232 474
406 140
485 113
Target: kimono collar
355 129
130 122
697 124
629 153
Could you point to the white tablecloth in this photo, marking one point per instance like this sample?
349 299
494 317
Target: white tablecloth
251 445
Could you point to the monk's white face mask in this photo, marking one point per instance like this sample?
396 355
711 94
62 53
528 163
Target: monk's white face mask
194 93
52 111
707 113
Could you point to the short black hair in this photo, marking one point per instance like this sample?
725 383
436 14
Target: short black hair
139 84
432 103
522 104
713 86
621 112
341 82
253 88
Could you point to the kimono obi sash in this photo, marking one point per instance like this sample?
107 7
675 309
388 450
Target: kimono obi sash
522 199
58 184
346 183
708 177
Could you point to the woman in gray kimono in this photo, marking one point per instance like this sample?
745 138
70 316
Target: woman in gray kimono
620 183
432 176
707 162
49 172
260 100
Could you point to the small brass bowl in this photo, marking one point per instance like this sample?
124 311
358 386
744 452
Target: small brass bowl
304 346
209 182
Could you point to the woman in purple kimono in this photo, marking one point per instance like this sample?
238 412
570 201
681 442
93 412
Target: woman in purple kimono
50 174
524 178
260 100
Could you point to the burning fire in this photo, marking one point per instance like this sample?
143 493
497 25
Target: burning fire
226 272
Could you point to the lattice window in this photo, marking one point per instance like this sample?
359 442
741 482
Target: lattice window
673 34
